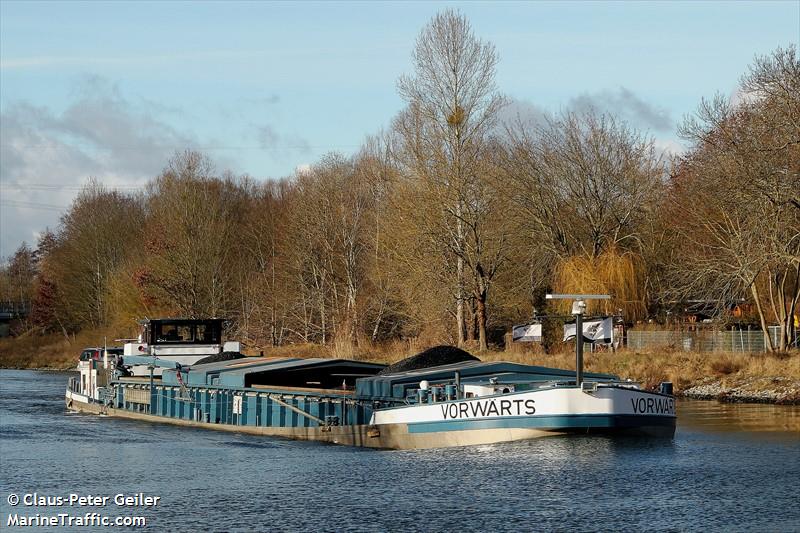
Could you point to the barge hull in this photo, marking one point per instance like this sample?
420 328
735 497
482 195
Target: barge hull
394 436
347 435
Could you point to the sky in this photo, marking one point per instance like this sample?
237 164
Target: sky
111 90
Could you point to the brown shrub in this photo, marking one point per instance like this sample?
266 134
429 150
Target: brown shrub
725 365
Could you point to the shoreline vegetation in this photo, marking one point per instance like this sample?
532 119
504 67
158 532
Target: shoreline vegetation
727 377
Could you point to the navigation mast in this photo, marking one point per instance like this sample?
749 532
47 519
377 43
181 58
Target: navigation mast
578 308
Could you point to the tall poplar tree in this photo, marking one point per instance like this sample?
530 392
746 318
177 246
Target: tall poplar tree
452 107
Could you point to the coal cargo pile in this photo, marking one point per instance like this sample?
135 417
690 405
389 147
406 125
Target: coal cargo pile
218 358
436 356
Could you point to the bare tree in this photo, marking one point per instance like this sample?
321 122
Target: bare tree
191 236
383 307
268 296
17 275
583 186
452 105
93 240
330 243
736 195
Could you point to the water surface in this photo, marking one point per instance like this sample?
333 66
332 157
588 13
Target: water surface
729 468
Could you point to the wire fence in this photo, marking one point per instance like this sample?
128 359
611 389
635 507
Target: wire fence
703 340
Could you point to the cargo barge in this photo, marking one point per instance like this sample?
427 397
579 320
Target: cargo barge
179 372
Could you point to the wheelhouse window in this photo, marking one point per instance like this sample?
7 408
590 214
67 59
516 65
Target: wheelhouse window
88 355
206 334
185 331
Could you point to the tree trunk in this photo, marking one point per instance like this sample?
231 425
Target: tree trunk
272 314
792 309
782 318
481 315
323 319
460 303
378 319
472 321
777 285
352 310
764 328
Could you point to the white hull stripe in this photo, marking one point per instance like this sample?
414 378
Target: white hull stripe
545 422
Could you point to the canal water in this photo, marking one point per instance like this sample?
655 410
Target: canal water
729 468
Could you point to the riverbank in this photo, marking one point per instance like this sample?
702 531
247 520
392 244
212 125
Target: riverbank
774 390
47 352
727 377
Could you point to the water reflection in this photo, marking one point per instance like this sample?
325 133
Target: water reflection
716 416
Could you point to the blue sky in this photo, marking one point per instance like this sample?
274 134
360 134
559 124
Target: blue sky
111 90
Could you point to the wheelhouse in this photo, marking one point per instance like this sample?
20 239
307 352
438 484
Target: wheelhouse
96 354
183 331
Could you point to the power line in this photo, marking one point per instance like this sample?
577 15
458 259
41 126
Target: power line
192 147
32 205
47 187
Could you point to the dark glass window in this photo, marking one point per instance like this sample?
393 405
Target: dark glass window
186 332
167 332
206 334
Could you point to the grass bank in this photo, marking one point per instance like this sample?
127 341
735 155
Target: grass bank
757 377
52 352
734 377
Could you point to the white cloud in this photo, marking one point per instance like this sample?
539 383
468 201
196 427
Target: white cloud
47 156
668 147
303 168
521 111
621 103
625 104
741 97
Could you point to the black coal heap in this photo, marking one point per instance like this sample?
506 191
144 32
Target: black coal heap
219 357
436 356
